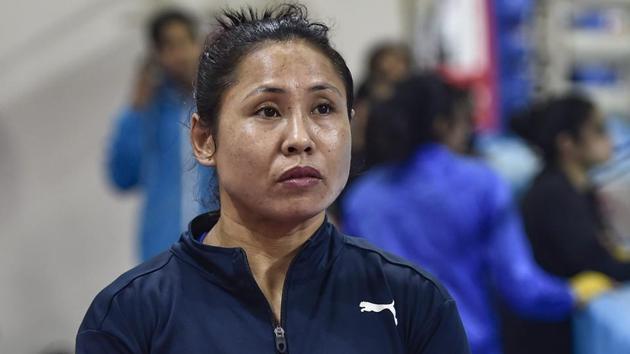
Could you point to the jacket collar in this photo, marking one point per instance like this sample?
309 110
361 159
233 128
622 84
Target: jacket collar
229 266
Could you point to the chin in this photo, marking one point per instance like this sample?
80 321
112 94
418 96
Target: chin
298 210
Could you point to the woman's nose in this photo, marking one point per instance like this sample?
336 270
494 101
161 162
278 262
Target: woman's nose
298 138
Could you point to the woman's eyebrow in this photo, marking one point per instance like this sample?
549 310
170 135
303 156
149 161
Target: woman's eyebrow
278 90
264 89
321 87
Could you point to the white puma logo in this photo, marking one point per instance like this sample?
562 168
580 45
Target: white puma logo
370 307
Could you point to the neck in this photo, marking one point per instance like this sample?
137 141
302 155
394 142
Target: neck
576 173
271 240
270 248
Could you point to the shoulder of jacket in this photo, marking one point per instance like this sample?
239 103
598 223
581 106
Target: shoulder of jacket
399 266
126 285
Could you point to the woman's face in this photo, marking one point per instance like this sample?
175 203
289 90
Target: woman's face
283 142
594 145
179 51
394 65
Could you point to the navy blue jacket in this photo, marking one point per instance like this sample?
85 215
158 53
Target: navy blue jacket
341 295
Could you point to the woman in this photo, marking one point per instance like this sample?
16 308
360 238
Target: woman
268 273
452 215
560 211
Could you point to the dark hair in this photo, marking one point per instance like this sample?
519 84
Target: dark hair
398 125
541 123
241 32
458 95
162 19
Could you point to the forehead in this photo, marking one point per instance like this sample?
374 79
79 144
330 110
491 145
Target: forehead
293 64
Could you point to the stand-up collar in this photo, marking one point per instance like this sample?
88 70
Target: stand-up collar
229 265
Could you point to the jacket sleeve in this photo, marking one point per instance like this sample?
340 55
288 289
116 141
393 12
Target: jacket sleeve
124 155
520 282
430 320
111 327
100 342
446 333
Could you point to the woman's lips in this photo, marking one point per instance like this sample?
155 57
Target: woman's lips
300 177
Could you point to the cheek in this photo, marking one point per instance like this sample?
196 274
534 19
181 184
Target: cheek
603 148
243 151
336 145
599 149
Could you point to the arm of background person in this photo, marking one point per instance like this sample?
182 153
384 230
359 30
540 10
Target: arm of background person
124 155
520 282
574 238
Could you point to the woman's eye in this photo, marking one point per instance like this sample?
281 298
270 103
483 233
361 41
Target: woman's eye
268 112
323 109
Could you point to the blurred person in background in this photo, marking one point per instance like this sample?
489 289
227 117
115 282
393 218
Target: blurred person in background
149 148
388 63
560 211
453 216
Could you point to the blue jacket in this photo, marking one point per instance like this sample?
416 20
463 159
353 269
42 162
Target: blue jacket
340 296
150 150
454 217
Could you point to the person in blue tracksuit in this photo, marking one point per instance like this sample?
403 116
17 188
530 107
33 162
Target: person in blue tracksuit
268 273
452 215
149 148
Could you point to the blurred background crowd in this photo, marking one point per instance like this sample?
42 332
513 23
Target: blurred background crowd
491 146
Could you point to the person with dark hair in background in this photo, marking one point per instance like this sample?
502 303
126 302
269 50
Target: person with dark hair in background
560 211
149 148
268 273
453 216
456 130
388 63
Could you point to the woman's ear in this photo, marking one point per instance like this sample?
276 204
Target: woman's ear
202 140
352 114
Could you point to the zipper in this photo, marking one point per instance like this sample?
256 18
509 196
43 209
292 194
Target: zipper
281 340
279 332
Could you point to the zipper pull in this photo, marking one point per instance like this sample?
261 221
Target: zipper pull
281 341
